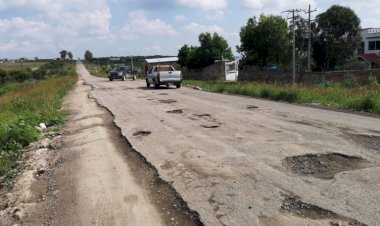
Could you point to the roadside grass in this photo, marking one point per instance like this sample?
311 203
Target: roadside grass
95 70
7 66
22 107
48 69
361 98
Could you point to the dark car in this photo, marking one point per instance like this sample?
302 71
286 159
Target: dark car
121 72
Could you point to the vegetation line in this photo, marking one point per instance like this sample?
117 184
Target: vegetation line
339 95
22 107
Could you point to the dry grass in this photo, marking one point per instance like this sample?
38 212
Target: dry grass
17 66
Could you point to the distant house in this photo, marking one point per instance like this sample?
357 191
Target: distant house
370 46
150 63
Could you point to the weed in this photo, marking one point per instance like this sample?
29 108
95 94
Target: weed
372 81
350 82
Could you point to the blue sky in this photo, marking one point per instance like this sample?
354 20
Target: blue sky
41 28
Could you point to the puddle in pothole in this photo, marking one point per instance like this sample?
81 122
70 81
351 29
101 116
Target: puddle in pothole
323 166
142 133
305 210
168 101
177 111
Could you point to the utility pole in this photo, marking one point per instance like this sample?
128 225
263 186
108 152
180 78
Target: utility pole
309 41
132 63
293 11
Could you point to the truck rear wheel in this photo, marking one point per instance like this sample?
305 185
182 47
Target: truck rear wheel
178 85
156 85
147 83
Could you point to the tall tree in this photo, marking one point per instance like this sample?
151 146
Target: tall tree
212 47
63 54
70 55
88 55
337 37
183 55
265 42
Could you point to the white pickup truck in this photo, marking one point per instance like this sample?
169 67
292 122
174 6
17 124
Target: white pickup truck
163 75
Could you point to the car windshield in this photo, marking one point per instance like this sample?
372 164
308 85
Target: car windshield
120 68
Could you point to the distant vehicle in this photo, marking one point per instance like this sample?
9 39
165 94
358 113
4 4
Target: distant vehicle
122 72
164 75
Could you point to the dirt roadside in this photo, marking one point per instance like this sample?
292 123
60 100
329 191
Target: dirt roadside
88 174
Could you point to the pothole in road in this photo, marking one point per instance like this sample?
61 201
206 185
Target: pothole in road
252 107
168 101
295 206
210 126
127 88
163 94
142 133
368 141
202 115
177 111
323 166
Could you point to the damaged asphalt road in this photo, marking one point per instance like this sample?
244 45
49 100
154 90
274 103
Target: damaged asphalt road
266 164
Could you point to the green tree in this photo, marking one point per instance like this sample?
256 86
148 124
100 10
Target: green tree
70 55
63 54
183 55
212 47
337 37
265 42
88 55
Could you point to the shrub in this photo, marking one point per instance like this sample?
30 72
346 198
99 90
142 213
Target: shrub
372 81
286 95
264 93
350 82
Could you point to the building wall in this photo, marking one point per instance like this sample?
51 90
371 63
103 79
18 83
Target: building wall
215 71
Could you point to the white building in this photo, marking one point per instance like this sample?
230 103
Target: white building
371 40
370 47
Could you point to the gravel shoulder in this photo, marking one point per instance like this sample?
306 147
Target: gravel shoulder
244 161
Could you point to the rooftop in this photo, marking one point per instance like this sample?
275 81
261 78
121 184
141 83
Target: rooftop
370 57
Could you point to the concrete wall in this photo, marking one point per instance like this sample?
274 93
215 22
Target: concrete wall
215 71
248 73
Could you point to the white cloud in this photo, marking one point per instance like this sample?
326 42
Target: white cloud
204 4
199 28
139 24
276 6
179 18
